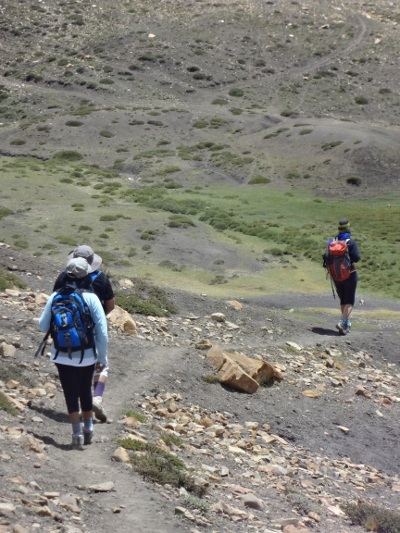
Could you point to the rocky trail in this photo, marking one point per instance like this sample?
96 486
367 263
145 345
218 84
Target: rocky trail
284 458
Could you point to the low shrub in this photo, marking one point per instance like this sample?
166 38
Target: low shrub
5 212
219 101
134 414
68 155
148 300
159 466
258 179
105 133
372 517
361 100
74 123
6 405
329 146
10 281
354 180
180 221
236 92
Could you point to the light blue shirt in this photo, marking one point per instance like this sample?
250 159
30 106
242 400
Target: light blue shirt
100 334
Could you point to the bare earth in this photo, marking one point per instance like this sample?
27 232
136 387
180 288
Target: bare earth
334 447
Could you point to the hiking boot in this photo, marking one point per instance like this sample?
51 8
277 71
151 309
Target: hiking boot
98 409
341 326
87 436
77 442
346 328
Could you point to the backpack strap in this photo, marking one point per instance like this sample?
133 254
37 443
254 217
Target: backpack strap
42 345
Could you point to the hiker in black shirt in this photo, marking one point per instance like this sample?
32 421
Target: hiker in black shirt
346 290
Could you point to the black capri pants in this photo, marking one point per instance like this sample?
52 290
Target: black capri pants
76 382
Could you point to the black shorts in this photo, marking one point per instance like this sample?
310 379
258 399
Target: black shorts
346 290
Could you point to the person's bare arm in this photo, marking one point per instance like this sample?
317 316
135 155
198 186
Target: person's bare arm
109 305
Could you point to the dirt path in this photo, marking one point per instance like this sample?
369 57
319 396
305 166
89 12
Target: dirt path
132 504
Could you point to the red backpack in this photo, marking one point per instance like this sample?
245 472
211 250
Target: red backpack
339 262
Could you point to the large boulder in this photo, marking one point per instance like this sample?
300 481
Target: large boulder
240 371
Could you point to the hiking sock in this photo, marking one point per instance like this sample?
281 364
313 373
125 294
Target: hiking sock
88 424
99 389
76 429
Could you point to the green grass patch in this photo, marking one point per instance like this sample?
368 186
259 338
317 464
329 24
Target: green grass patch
169 170
210 378
67 155
159 466
131 413
6 405
74 123
10 281
5 212
148 300
180 221
236 92
275 133
219 101
171 439
329 146
258 179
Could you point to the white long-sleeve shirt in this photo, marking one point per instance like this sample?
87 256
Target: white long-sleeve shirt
100 334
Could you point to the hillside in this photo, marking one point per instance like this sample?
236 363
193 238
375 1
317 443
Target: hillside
207 148
141 116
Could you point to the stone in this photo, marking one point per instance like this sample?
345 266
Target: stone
7 350
107 486
70 502
6 508
125 283
218 317
203 344
234 376
122 320
250 500
17 528
120 455
294 346
239 371
235 304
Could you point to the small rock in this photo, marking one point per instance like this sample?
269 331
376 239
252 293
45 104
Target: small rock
250 500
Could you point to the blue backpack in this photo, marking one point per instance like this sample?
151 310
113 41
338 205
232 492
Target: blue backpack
71 325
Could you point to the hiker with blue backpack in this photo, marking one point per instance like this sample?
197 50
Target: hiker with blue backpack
339 260
76 321
98 282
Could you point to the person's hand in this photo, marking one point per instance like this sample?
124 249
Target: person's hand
99 367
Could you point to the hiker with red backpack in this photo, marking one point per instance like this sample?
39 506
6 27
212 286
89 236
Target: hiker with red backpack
339 260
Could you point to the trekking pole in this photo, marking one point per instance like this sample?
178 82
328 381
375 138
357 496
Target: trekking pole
333 287
42 345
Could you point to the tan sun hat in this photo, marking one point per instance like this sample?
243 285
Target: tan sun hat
78 267
87 253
